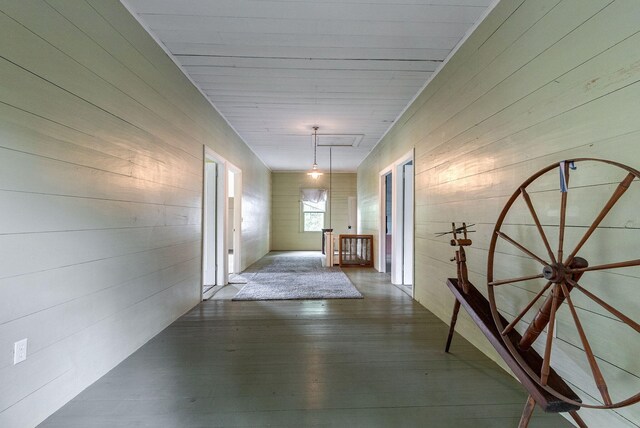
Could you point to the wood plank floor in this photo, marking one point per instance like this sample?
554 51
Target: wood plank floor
375 362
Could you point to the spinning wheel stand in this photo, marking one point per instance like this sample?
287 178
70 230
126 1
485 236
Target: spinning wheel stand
562 275
478 308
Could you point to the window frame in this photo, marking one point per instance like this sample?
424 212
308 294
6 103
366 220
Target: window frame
303 213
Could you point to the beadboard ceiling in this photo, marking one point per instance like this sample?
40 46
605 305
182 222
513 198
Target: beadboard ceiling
275 68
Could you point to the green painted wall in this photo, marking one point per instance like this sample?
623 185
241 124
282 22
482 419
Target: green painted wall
285 208
539 81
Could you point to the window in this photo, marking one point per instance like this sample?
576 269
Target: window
313 206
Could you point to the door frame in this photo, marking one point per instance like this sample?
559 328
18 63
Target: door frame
407 227
222 210
237 215
382 220
210 188
397 218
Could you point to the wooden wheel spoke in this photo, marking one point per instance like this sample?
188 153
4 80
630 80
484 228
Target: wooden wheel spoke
617 194
563 214
512 280
517 319
536 220
546 362
629 263
595 369
622 317
521 247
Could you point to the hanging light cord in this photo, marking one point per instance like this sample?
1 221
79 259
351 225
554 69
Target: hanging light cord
330 192
315 144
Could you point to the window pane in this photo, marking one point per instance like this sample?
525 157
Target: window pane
313 222
314 206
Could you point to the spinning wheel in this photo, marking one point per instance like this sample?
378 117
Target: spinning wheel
552 281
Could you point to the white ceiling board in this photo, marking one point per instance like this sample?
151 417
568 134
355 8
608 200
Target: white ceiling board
308 25
275 68
391 92
344 81
188 3
212 49
338 76
206 65
308 40
340 158
425 11
305 90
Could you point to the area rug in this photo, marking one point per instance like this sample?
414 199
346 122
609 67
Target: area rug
293 277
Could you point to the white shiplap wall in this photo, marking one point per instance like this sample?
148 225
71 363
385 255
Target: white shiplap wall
539 81
101 142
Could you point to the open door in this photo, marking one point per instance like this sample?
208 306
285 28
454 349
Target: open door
215 221
234 219
388 221
407 225
385 230
209 247
396 241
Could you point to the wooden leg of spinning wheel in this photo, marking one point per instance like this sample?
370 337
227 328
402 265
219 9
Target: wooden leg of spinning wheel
578 419
454 318
527 412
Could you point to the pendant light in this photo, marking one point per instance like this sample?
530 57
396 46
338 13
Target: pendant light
315 172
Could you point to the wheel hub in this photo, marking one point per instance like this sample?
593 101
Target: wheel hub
552 273
558 272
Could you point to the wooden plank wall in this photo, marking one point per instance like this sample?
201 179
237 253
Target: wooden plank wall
101 142
285 208
539 81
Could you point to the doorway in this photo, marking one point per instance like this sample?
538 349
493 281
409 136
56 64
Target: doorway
407 225
221 221
234 211
396 238
211 221
388 221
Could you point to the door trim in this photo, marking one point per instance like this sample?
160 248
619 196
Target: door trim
237 215
397 218
222 209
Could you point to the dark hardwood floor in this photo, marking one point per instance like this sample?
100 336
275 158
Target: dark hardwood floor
376 362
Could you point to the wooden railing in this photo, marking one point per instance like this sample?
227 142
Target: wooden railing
355 250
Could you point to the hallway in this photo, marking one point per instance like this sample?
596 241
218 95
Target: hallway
375 362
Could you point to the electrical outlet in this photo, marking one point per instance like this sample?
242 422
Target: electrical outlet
19 351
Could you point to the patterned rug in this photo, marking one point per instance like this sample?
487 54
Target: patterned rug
295 276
